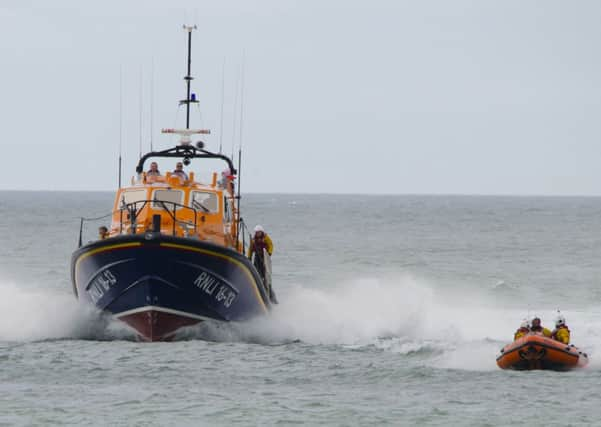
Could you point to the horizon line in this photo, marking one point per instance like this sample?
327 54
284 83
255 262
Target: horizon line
300 193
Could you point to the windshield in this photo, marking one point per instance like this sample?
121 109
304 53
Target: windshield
132 196
168 197
204 201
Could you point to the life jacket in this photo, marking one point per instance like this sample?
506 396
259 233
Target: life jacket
259 244
554 334
520 333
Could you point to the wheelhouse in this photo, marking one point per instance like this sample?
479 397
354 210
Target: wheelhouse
177 207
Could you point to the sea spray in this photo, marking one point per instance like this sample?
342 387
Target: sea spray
354 312
402 315
30 313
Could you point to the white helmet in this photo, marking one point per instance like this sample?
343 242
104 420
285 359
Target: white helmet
525 324
259 228
560 321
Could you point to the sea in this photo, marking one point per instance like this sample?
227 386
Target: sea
392 311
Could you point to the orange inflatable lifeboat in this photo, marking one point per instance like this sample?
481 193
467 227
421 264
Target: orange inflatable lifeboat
539 352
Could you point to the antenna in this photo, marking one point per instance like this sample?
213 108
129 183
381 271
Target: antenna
241 101
235 114
140 106
222 102
151 102
188 78
120 119
238 197
241 124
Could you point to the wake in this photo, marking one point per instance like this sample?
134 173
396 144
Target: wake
33 314
411 318
401 315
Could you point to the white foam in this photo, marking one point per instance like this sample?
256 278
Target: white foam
352 313
405 315
28 314
397 314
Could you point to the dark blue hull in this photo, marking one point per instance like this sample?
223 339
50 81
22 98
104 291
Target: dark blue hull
158 283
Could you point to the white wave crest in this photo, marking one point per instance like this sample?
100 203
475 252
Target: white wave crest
29 314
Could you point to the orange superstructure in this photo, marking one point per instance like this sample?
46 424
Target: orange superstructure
179 207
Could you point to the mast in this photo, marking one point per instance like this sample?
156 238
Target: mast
187 133
188 78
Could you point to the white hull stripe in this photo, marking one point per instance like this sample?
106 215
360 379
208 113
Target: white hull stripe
161 309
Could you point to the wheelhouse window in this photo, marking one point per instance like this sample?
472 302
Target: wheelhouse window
133 196
204 201
166 198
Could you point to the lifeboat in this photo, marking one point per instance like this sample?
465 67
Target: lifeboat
174 254
535 351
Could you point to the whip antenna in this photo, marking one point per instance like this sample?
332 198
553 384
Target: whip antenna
238 197
140 107
120 119
151 102
235 116
241 125
241 101
222 102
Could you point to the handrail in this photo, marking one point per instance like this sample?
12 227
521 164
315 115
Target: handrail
164 203
82 220
243 229
133 212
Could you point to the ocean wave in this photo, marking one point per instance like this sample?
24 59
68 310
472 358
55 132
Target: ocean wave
401 315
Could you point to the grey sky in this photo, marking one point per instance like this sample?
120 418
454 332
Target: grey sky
471 97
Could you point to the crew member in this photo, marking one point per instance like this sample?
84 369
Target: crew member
537 328
522 330
561 332
179 171
103 232
227 180
154 170
259 242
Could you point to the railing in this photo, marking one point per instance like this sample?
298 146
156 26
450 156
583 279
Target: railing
83 220
243 230
133 211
